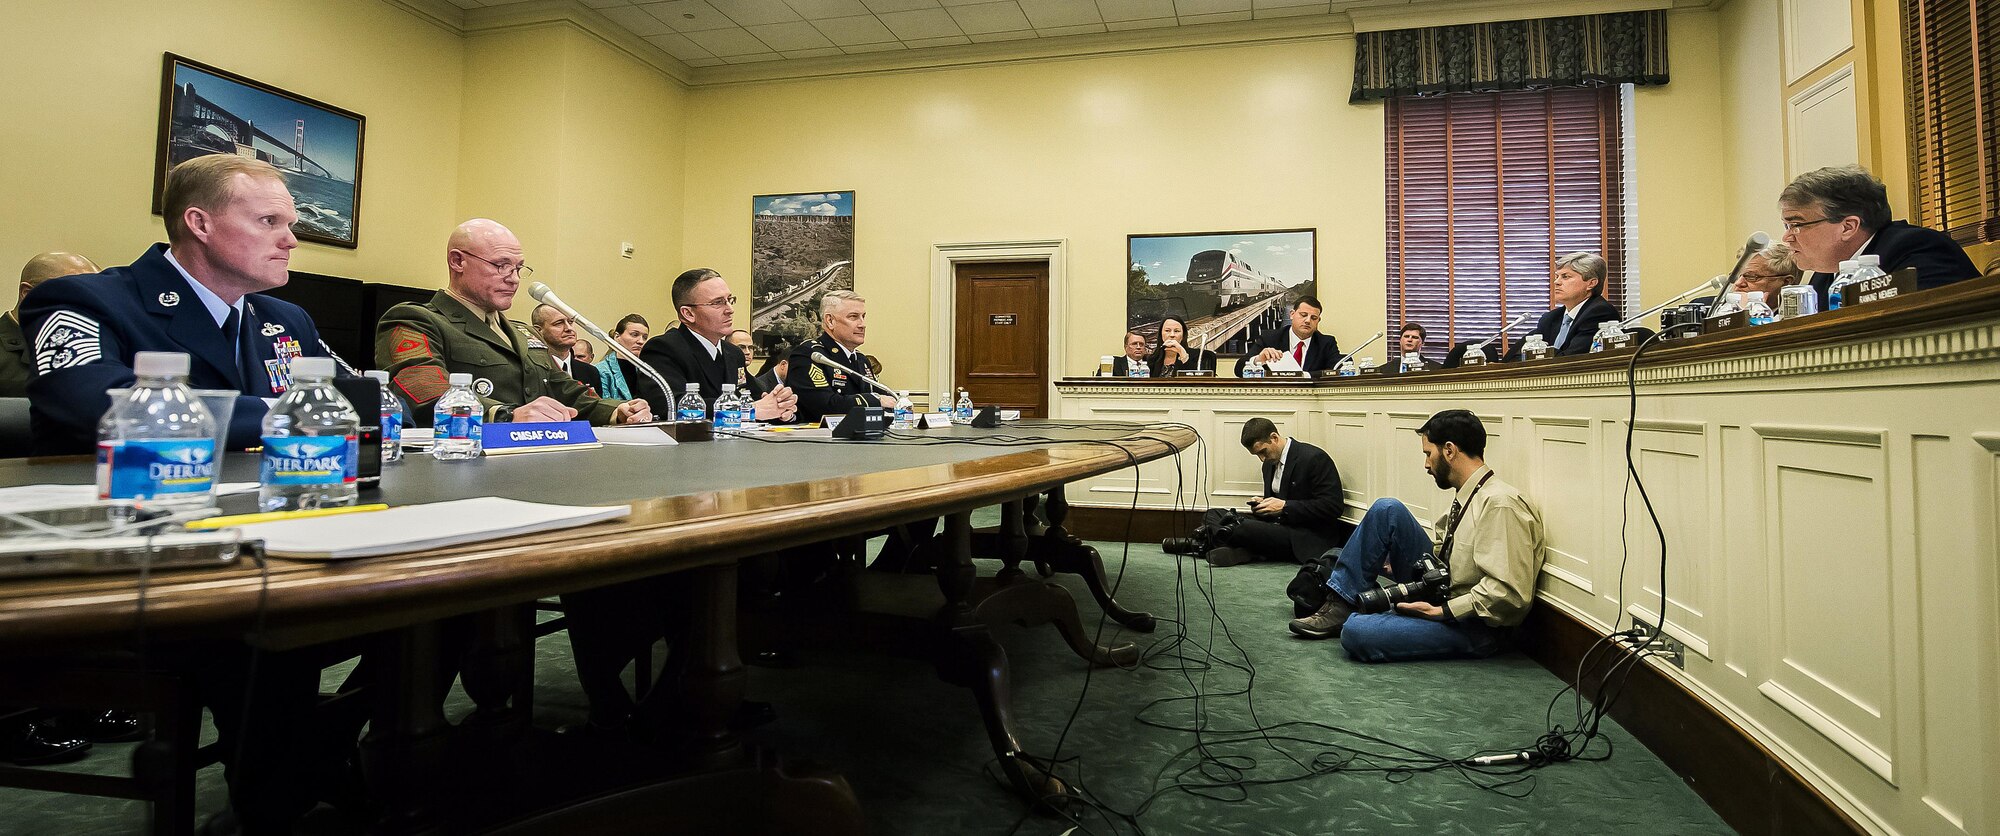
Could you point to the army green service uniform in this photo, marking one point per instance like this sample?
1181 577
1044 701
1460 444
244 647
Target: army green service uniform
420 345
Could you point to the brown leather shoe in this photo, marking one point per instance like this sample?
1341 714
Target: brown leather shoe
1326 623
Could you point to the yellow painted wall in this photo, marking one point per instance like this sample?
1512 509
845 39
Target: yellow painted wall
83 101
1753 116
1251 137
576 148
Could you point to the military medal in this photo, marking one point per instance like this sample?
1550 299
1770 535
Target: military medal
279 369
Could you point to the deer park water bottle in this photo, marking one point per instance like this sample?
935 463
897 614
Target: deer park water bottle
728 413
963 413
392 418
457 422
158 443
692 407
311 440
905 418
1838 289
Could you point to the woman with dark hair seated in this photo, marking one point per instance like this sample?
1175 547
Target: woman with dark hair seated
1173 356
617 372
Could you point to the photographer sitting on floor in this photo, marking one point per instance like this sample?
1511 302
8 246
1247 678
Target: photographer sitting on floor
1460 603
1293 521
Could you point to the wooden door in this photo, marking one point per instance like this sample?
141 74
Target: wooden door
1002 335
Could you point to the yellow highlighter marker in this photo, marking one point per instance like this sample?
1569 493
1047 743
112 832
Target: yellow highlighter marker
213 523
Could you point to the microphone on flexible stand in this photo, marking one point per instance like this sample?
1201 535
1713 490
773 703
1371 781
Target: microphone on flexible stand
1758 241
1481 345
1350 355
544 294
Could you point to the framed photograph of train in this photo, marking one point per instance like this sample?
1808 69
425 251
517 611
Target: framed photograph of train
801 246
1227 287
205 110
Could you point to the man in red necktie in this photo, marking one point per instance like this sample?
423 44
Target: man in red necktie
1310 349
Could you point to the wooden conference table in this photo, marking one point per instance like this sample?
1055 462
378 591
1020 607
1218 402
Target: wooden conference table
697 508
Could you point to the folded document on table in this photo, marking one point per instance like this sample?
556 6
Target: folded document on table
414 528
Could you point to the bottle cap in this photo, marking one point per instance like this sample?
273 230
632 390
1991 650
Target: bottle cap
459 379
1871 260
312 367
160 364
691 388
1849 265
377 375
728 387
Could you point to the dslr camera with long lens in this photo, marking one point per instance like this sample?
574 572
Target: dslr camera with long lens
1432 583
1206 537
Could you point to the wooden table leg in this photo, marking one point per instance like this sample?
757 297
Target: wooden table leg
403 755
1065 553
711 689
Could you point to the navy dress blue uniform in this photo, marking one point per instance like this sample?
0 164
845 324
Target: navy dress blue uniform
83 331
824 390
678 355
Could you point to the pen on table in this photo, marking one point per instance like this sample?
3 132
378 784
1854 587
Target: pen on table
213 523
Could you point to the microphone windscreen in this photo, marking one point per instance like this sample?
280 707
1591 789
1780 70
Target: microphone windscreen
539 292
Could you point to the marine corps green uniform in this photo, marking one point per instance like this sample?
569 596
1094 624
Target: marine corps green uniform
419 345
14 370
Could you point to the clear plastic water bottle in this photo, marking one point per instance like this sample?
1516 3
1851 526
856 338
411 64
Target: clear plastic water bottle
728 413
1760 312
1841 280
1346 368
158 444
692 407
963 413
905 418
1866 269
311 438
392 418
1135 368
457 423
1253 369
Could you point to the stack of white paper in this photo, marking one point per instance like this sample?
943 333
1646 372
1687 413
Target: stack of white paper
414 528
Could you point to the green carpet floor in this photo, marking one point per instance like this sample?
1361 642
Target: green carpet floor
916 754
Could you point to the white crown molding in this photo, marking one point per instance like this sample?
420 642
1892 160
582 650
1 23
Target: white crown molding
1206 35
1346 19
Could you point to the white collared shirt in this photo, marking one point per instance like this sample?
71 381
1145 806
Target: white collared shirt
1278 473
217 308
714 348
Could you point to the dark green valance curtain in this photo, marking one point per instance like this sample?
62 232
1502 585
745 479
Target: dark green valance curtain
1585 50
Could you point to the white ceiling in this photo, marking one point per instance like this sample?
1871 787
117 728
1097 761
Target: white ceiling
707 33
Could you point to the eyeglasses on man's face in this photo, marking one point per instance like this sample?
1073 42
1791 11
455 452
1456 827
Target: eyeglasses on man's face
1794 226
506 267
718 304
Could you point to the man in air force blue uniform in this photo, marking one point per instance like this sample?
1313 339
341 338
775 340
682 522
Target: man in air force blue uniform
229 223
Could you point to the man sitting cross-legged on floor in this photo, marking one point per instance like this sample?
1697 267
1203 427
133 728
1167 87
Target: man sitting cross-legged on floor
1492 548
1294 520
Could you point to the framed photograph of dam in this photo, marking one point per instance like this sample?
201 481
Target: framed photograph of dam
1227 287
205 110
801 246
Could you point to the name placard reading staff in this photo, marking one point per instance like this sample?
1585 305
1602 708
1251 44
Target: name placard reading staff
522 437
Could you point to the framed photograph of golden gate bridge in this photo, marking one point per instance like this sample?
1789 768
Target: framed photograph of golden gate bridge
205 110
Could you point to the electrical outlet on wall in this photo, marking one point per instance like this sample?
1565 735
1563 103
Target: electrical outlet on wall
625 249
1662 645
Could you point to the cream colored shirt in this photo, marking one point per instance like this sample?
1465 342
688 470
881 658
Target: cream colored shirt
1496 554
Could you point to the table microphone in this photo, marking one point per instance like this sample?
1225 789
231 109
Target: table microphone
822 359
543 294
1350 355
1758 241
1481 345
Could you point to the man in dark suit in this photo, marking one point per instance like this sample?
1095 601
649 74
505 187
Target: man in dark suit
558 335
1576 287
17 364
200 294
822 389
1832 215
1135 352
1410 344
1294 520
1312 350
700 351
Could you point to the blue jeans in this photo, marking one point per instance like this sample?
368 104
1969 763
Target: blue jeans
1388 543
